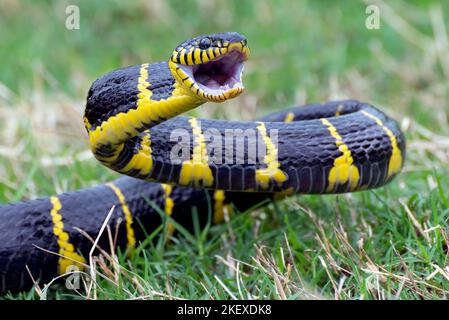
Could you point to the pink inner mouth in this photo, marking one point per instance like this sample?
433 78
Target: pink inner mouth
220 74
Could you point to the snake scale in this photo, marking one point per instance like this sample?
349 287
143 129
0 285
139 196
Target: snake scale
173 164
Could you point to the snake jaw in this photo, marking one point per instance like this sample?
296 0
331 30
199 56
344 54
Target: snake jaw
211 67
218 79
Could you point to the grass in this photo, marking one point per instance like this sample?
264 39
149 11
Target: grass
388 243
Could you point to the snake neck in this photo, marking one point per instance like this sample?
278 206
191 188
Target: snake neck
111 119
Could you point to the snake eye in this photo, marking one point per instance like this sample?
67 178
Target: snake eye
205 43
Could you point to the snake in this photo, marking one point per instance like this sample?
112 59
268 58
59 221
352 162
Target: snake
174 165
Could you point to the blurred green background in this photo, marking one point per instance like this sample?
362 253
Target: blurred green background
301 52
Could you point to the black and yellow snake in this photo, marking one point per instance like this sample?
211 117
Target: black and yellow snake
177 163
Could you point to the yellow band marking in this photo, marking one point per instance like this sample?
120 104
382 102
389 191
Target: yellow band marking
169 204
67 251
221 210
210 53
289 117
142 160
272 171
144 94
182 55
204 57
131 239
174 56
343 170
119 128
190 57
197 56
188 82
395 164
197 169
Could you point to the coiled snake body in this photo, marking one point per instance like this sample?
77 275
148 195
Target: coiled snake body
131 118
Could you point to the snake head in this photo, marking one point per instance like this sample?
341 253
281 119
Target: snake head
211 66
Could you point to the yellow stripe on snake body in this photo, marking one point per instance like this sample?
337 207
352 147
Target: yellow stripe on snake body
272 171
395 163
68 255
128 216
142 161
344 170
169 204
196 171
113 132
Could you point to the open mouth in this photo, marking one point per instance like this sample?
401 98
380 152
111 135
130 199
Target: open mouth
219 75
